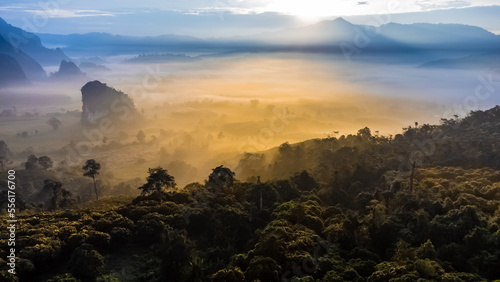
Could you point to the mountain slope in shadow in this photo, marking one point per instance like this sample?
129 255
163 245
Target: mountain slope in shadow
11 73
32 69
30 44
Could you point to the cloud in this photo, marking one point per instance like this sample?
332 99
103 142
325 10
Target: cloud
61 13
11 7
209 18
432 5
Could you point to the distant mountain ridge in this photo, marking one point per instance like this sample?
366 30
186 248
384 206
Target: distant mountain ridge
152 58
325 36
388 36
110 44
472 62
435 36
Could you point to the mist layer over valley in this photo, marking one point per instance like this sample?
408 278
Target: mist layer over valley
220 107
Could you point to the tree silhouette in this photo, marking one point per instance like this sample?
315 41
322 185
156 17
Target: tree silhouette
365 133
141 137
57 193
45 162
55 187
220 178
54 122
32 162
5 155
91 169
157 180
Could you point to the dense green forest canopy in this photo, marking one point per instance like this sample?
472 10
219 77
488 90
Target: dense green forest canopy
423 204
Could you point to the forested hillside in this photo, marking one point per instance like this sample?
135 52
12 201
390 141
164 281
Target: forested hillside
423 204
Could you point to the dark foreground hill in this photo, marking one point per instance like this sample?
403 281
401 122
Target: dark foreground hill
422 205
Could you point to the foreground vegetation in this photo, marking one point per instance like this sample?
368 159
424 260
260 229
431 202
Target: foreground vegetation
423 204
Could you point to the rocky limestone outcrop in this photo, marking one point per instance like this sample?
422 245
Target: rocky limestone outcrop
68 71
101 101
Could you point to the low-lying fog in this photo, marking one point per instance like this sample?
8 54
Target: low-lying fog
205 113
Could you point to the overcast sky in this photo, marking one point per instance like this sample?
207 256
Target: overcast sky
208 18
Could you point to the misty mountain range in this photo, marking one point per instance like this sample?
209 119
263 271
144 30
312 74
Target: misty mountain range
327 34
24 54
489 60
389 36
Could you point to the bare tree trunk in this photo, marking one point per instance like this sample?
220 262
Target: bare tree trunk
95 189
411 176
260 206
54 202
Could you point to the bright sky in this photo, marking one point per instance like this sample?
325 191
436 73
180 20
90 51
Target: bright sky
200 17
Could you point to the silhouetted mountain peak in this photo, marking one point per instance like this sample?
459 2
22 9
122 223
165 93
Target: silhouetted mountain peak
341 20
338 23
69 68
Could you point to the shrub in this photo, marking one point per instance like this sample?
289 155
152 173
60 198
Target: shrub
86 262
263 268
231 274
67 277
99 239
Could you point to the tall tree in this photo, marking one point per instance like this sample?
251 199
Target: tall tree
32 162
141 137
157 180
54 122
60 197
365 133
55 187
45 162
5 155
220 178
91 169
